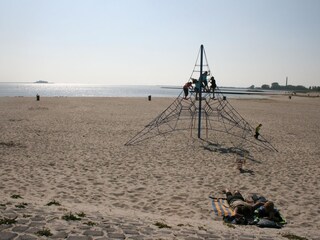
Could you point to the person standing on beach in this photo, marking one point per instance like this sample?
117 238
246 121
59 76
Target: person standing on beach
186 88
257 131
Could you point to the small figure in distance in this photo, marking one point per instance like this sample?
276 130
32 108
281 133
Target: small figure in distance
257 131
186 88
213 86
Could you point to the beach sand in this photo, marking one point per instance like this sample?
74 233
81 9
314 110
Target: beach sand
72 150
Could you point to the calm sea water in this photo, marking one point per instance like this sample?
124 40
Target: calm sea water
98 90
83 90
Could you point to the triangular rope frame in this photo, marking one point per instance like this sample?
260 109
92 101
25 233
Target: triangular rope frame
218 116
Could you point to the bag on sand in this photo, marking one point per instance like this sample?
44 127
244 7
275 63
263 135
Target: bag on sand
266 223
234 220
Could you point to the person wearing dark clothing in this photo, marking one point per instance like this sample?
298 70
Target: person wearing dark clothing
240 206
269 212
213 86
257 131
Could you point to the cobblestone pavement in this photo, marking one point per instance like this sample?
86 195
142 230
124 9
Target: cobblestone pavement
51 222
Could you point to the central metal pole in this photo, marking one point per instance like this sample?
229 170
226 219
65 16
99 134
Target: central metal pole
200 91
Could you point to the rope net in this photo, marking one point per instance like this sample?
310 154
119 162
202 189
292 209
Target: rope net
221 124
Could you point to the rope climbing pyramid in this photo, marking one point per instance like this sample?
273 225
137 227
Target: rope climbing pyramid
204 112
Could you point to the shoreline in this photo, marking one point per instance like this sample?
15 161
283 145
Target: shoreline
251 95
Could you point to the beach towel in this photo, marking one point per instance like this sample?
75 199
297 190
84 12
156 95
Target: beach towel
221 207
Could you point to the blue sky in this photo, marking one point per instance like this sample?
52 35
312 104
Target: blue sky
247 42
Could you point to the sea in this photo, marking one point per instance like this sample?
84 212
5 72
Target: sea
101 90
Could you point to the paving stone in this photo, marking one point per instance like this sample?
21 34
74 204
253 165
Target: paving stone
20 229
93 233
105 221
213 236
26 237
180 235
315 238
61 227
136 224
33 230
246 237
164 231
38 218
7 235
193 238
111 230
23 221
105 225
20 210
37 224
116 236
60 235
147 229
130 232
10 215
207 235
227 237
79 238
188 232
5 226
147 232
137 237
84 227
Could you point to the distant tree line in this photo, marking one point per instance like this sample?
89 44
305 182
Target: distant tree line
277 86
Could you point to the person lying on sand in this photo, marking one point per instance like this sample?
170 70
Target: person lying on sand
268 211
241 207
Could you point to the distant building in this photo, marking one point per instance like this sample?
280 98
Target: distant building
41 81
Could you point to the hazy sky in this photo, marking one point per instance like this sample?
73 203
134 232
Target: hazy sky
156 42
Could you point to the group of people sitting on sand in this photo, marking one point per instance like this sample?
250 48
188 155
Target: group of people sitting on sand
202 82
251 211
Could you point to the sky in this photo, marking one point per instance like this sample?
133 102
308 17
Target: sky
156 42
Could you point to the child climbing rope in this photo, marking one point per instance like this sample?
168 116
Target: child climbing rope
186 88
257 131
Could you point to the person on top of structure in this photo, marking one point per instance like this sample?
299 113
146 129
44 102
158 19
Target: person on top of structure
213 86
186 88
204 80
196 86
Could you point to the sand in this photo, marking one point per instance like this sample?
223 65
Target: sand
72 150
